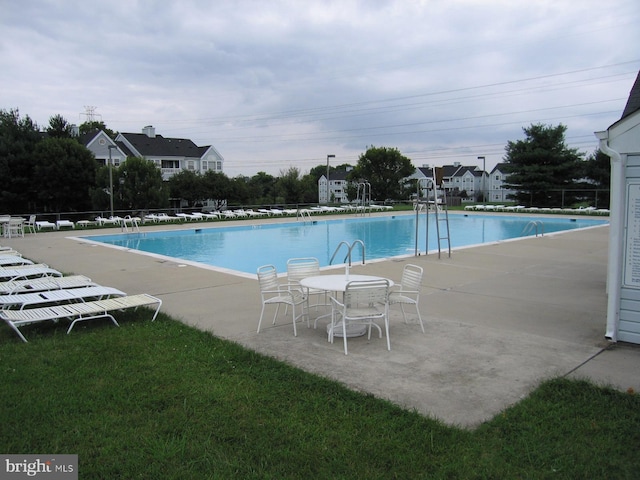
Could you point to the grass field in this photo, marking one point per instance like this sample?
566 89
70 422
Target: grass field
164 401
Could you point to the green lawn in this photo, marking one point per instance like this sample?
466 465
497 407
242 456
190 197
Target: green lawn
164 401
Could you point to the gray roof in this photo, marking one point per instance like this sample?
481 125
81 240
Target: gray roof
633 103
338 175
160 146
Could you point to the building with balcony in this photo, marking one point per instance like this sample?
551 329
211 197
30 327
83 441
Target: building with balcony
170 155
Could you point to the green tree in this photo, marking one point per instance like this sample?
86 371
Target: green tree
596 174
189 186
138 185
95 126
385 170
541 166
217 188
288 186
59 127
262 188
64 175
18 139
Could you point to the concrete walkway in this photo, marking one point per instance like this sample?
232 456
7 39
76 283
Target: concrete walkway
499 319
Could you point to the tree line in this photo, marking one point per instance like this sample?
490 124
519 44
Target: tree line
49 171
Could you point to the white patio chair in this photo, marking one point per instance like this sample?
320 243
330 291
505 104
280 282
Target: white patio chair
364 301
30 225
407 292
299 268
274 293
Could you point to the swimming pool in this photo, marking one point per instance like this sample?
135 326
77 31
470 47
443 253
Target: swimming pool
243 248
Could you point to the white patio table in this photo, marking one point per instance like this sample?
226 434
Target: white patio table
338 283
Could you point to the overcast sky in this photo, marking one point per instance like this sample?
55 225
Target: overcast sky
276 84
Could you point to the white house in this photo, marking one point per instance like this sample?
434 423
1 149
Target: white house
621 142
497 180
337 188
171 155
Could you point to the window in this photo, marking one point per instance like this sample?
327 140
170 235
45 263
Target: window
170 164
205 165
190 165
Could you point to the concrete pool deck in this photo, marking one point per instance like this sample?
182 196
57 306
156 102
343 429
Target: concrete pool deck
498 318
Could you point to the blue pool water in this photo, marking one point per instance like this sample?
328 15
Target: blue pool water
244 248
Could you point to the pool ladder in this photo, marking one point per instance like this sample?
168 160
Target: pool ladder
350 248
533 225
443 233
129 220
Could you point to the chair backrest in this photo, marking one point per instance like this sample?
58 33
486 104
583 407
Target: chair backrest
268 278
366 292
299 268
411 277
32 220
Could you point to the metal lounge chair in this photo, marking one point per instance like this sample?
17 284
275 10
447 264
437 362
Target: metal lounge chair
78 312
44 284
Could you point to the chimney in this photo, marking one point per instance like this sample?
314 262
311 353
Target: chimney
149 131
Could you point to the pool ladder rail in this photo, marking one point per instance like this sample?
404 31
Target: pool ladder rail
533 225
132 221
350 248
443 234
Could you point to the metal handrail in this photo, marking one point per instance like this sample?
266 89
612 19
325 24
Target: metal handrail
350 249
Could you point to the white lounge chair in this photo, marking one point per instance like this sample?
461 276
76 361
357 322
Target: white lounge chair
20 301
27 271
43 224
64 223
204 216
44 283
186 216
102 221
78 312
13 260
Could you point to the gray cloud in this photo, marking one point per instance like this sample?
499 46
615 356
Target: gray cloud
284 83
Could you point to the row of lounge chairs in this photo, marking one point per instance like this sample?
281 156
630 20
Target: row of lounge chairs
523 209
117 221
32 293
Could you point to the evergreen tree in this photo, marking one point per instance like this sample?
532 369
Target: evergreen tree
541 166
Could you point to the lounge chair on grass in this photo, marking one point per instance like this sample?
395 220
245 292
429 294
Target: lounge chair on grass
20 301
78 312
13 260
44 284
19 272
64 223
43 224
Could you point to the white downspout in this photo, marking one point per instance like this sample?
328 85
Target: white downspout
616 230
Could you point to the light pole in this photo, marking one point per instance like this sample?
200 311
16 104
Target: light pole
111 147
328 157
484 192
